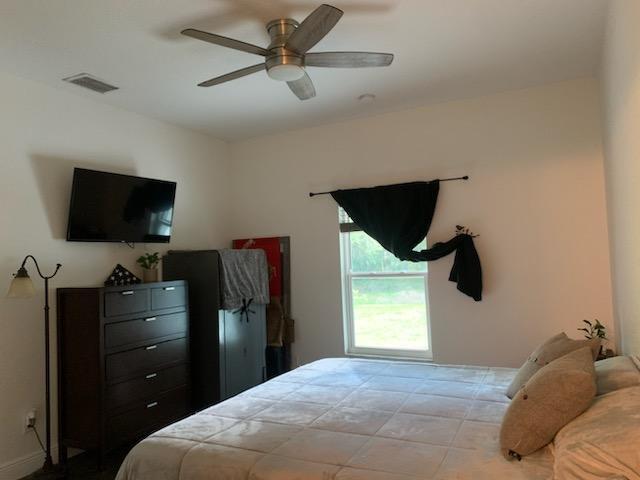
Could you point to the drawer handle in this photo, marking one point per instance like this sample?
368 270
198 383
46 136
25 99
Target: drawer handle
169 289
151 375
127 292
151 347
152 404
150 319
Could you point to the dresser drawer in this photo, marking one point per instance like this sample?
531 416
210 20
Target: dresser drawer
168 297
125 302
148 416
148 328
147 386
145 359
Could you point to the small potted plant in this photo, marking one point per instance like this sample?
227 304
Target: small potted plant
596 330
149 263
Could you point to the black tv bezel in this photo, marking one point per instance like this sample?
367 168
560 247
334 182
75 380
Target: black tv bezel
102 172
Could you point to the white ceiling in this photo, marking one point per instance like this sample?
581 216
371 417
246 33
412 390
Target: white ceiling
445 49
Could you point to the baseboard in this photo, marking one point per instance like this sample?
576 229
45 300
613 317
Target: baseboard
23 466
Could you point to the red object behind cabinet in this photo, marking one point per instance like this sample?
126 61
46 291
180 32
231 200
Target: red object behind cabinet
271 246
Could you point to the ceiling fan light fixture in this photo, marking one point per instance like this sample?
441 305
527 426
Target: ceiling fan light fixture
286 72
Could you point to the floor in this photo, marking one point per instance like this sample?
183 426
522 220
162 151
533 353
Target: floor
85 467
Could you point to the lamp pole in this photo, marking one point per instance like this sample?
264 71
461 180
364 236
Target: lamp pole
48 461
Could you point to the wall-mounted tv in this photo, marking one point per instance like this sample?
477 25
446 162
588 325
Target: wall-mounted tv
109 207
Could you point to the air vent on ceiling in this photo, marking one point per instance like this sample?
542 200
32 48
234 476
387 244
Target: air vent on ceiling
92 83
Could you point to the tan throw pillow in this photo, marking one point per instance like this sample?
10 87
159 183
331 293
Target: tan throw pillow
603 442
554 396
615 373
554 348
529 367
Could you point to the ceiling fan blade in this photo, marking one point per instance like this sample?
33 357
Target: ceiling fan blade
225 42
303 88
348 59
313 28
233 75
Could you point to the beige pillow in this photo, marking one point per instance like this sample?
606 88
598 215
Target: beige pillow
615 373
554 348
554 396
603 442
529 367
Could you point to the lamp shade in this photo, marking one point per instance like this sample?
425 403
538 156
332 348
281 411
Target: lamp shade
21 285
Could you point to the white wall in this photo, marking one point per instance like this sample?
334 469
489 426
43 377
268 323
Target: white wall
44 133
536 197
621 98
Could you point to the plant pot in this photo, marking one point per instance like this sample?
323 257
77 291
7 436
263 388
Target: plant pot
149 275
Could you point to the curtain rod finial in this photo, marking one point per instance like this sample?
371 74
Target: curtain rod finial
466 177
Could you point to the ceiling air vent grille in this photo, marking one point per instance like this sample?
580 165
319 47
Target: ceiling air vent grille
92 83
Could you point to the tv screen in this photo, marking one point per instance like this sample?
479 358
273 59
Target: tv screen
108 207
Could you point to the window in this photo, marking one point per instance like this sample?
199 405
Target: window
385 299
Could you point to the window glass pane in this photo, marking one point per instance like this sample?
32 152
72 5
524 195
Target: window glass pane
390 313
367 256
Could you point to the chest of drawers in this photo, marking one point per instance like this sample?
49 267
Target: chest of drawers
123 363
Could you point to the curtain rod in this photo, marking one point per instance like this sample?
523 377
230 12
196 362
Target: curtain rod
466 177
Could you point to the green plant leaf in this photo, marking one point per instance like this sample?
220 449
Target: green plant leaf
149 260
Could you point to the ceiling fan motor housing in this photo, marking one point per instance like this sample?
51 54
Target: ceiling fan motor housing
284 65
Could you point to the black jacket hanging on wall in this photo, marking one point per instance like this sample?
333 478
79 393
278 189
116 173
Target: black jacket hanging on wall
399 217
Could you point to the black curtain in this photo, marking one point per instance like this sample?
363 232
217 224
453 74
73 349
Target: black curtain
399 217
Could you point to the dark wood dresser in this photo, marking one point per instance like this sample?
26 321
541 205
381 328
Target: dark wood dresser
123 363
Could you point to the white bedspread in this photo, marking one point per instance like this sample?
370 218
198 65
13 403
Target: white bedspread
346 419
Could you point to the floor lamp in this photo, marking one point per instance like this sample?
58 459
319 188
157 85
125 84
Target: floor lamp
22 287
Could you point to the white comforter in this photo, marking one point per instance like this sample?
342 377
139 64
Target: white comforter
346 419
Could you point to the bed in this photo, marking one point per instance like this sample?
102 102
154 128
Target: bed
346 419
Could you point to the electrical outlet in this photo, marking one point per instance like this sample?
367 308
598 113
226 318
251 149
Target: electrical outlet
30 420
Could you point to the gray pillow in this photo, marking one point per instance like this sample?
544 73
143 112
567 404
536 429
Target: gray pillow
616 373
554 348
555 395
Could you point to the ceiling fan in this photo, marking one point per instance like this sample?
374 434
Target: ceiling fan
286 56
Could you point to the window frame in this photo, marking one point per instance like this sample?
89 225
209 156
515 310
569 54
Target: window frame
348 312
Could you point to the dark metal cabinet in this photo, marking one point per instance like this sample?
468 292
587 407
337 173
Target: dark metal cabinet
243 339
123 363
227 356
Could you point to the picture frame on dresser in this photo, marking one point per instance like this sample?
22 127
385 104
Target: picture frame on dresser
123 364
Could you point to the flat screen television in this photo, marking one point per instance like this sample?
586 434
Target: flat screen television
109 207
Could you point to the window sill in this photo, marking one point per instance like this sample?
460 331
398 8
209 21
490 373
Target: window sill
428 358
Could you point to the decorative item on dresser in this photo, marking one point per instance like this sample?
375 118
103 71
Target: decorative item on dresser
121 276
149 263
123 363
